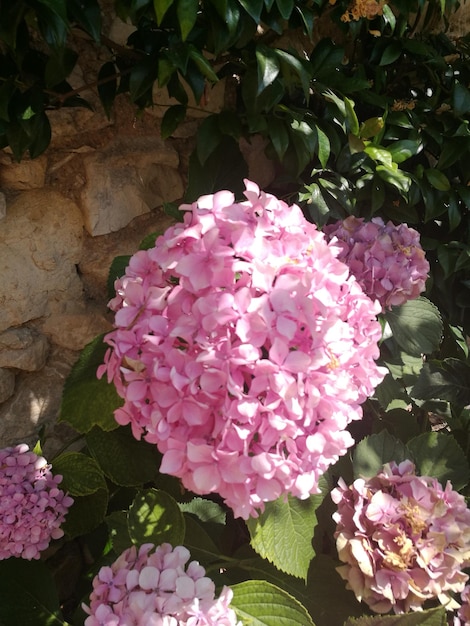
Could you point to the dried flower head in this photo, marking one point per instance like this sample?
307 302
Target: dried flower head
387 260
157 587
32 507
243 349
368 9
403 538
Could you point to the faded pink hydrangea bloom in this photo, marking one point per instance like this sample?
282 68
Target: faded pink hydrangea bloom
157 587
32 507
403 538
464 610
387 260
243 349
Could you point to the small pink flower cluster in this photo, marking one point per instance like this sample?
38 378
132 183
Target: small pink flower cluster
32 508
387 260
243 349
155 588
404 539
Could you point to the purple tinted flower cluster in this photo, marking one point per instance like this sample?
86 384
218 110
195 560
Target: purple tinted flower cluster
403 538
464 610
243 349
157 587
32 507
387 260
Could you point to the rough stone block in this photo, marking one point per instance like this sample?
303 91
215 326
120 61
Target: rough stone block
40 246
23 349
128 179
7 384
27 174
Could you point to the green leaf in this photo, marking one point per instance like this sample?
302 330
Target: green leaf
205 510
172 118
142 77
460 100
328 601
283 533
391 53
199 542
279 136
186 11
285 8
259 603
416 326
107 86
208 138
225 168
404 149
118 531
28 595
82 475
124 460
118 268
87 13
324 147
437 179
161 7
86 513
432 617
374 451
203 65
59 65
444 380
253 8
440 456
155 517
268 67
300 67
87 401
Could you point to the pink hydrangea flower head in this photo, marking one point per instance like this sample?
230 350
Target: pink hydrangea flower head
157 587
242 349
387 260
32 507
403 538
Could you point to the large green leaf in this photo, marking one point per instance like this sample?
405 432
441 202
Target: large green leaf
268 67
87 401
416 326
124 460
155 517
283 533
28 595
186 10
259 603
81 475
86 513
432 617
440 456
373 452
447 380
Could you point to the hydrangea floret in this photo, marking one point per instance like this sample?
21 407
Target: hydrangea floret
152 586
32 507
387 260
243 348
404 539
464 610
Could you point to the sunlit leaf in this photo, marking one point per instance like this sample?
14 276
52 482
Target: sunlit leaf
416 326
155 517
374 451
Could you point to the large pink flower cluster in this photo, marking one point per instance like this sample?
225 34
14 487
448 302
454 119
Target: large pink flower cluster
32 507
157 588
404 539
243 349
387 260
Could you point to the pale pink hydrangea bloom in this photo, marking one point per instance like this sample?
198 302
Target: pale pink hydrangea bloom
403 538
243 349
387 260
157 587
32 507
